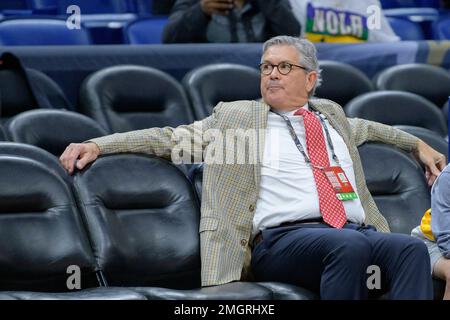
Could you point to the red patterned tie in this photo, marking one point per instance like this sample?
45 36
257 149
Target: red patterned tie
330 206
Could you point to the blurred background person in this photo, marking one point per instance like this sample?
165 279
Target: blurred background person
162 7
434 229
229 21
343 21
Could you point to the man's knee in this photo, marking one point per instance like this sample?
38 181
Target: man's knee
416 247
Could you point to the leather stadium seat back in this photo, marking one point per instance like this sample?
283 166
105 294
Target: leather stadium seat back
46 85
206 86
40 32
143 219
124 98
196 176
3 136
17 96
397 184
428 81
50 161
52 130
436 142
342 82
445 110
41 232
397 108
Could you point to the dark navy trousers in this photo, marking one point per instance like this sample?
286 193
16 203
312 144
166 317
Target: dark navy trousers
334 262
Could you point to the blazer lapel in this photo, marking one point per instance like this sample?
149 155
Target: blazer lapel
259 114
332 119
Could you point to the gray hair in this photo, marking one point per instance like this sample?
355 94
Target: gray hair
307 52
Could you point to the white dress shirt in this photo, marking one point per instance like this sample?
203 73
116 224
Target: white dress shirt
288 190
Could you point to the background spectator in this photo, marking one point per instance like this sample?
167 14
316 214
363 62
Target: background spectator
341 21
162 7
229 21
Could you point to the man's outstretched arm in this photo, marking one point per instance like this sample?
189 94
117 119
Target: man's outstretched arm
155 141
365 131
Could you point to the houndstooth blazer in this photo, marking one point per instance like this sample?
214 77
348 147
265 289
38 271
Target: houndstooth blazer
230 191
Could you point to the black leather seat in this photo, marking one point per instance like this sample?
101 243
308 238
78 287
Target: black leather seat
143 220
399 189
445 110
229 291
428 81
53 95
2 134
53 130
342 82
397 108
206 86
40 155
102 293
17 95
41 233
435 141
124 98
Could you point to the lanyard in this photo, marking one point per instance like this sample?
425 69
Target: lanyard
299 145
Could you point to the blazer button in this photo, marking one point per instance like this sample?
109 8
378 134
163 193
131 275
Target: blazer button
243 242
251 208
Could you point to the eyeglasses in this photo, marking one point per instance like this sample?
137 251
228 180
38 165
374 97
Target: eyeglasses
284 68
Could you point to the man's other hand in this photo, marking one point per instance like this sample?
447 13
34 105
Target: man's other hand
222 7
79 154
434 161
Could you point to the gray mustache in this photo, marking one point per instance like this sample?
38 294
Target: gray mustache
272 83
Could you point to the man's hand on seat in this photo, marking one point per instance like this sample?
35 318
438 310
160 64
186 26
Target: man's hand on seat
79 154
434 161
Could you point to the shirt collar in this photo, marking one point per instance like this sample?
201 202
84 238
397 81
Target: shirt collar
291 113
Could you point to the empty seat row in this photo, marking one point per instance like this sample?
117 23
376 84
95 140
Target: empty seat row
343 82
398 108
416 23
93 30
428 81
87 6
123 98
2 134
129 28
386 4
24 89
54 130
206 86
138 214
